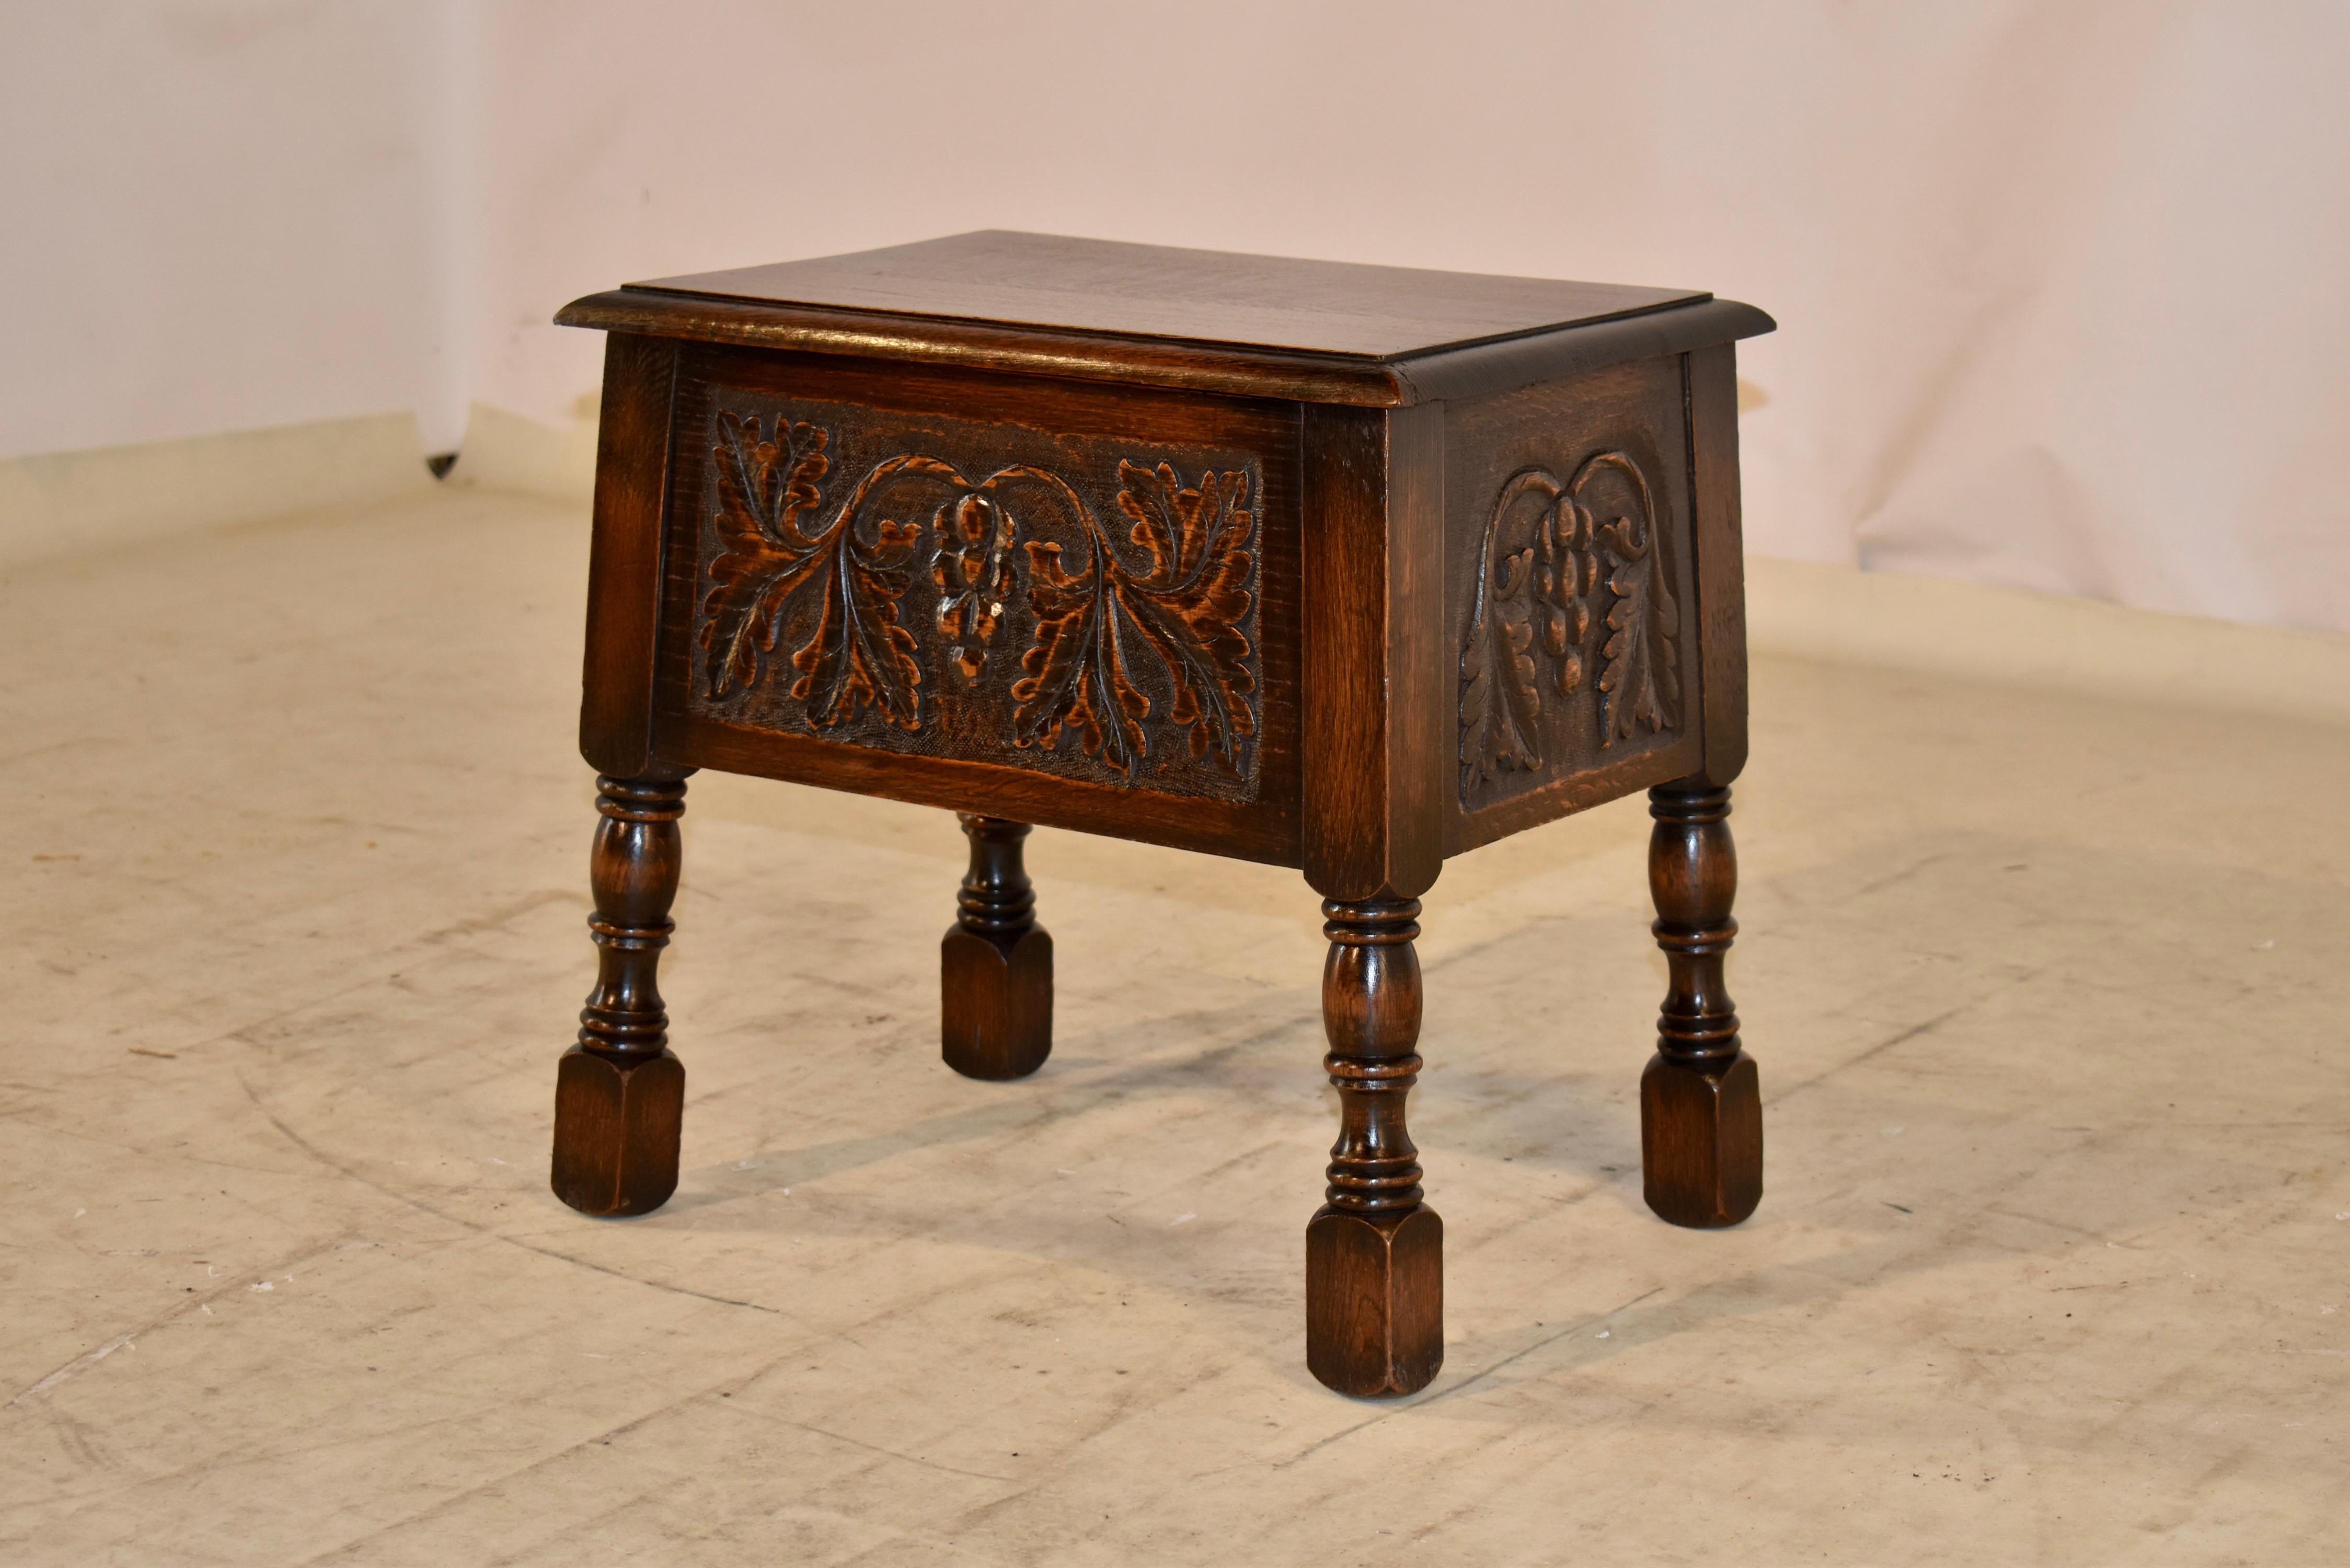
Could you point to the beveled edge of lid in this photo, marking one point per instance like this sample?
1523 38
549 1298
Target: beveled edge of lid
1469 368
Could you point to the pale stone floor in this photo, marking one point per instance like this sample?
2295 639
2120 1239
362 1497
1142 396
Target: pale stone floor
2046 994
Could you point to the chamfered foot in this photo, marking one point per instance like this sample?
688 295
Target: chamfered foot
1373 1253
618 1094
1700 1110
1375 1300
1702 1141
995 966
997 1013
616 1131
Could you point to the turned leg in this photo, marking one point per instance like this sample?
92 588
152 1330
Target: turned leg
995 964
1700 1109
618 1093
1374 1254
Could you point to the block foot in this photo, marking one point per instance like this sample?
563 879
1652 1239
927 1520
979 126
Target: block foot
997 1003
1375 1300
1702 1141
995 966
616 1131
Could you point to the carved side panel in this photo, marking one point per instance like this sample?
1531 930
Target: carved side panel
1076 605
1570 593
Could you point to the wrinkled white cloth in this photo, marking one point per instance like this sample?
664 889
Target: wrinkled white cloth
2061 282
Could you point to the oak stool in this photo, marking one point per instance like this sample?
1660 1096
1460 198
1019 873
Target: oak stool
1348 569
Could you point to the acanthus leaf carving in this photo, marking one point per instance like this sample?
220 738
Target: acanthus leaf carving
1117 652
1194 601
1533 607
1642 677
1075 674
858 654
763 556
1500 697
1188 609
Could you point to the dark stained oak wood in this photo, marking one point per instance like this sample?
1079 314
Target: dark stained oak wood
1721 549
1164 291
1271 326
1339 567
1701 1103
1569 597
624 561
995 963
1505 365
1070 356
1212 827
1375 1253
1052 468
619 1093
987 579
1374 675
1373 776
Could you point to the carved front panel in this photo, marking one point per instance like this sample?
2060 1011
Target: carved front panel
1086 606
1569 585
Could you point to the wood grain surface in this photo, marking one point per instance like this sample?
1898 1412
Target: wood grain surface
1720 539
1346 569
624 563
1700 1097
1320 332
1160 291
995 963
1570 600
1376 681
1071 605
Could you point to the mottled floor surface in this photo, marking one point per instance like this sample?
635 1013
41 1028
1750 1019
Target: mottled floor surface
2053 1264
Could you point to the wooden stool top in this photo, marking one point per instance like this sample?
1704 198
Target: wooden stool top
1314 331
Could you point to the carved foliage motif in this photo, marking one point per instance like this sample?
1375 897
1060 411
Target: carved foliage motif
1588 572
858 654
1186 610
1128 645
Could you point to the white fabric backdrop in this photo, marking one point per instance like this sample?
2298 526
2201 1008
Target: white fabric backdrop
2060 283
214 217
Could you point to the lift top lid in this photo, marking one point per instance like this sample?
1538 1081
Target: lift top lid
1156 315
1198 297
